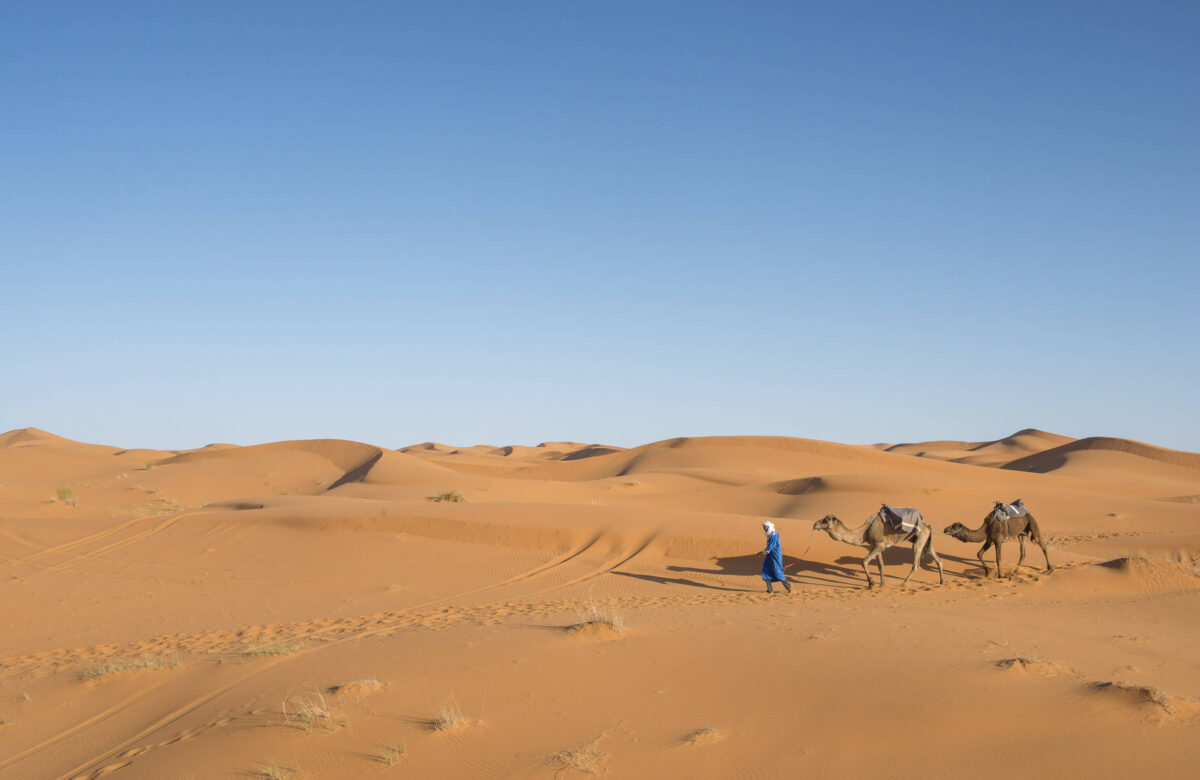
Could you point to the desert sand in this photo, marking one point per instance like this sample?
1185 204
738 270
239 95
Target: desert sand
308 609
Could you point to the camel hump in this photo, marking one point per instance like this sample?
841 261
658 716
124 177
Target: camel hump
903 518
1015 509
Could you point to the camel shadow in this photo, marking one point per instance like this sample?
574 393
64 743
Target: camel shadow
902 556
969 565
798 570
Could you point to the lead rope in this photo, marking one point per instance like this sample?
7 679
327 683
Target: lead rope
806 549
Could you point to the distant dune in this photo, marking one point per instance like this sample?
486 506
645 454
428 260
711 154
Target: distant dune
1056 457
986 453
35 437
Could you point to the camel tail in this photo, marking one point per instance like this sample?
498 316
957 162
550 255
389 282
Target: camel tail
927 550
1035 532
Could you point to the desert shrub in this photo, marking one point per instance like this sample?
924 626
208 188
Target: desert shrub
592 613
114 665
449 716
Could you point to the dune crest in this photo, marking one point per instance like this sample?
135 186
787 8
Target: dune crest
1056 457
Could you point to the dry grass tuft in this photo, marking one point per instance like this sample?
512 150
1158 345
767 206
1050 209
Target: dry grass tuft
273 648
453 496
310 712
358 687
449 716
276 772
592 614
703 736
390 755
587 759
114 665
65 494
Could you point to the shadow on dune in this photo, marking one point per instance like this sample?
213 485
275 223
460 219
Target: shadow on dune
902 557
359 472
798 570
893 556
969 564
845 572
678 580
559 629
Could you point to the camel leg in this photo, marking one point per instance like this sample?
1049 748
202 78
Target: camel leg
874 555
918 550
867 572
1021 557
936 559
1035 533
999 569
982 562
1046 554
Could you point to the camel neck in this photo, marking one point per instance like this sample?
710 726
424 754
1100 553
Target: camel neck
839 531
973 534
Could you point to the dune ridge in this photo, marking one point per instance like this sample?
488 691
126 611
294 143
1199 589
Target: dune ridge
1054 457
353 458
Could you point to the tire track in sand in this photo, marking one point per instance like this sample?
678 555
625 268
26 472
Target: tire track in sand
125 542
66 546
69 563
90 769
99 717
536 571
612 564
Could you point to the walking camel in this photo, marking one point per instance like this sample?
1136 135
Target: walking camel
881 531
1000 525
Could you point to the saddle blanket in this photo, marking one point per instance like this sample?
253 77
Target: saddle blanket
1015 509
903 517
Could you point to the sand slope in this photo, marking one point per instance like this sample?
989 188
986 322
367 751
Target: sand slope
314 608
998 452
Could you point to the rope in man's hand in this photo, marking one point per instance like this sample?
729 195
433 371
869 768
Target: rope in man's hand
806 549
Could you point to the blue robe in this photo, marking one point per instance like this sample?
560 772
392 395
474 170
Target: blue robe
773 563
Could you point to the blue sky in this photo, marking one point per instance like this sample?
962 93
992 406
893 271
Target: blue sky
513 222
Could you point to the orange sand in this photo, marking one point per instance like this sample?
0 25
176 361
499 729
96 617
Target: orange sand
305 609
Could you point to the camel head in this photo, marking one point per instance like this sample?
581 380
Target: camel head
954 529
825 523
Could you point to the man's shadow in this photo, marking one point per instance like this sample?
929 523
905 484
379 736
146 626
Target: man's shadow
741 566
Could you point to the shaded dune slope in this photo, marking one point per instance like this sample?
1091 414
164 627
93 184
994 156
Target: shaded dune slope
997 452
1056 457
354 459
735 460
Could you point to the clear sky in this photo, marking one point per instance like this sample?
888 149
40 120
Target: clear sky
507 222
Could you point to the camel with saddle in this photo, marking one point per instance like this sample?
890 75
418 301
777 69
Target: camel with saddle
1004 522
886 528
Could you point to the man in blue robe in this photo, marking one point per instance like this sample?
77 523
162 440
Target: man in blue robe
772 570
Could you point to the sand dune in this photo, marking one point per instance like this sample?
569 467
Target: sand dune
1056 457
998 452
314 608
427 446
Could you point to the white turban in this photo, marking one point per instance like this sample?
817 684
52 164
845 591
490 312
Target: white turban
769 527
